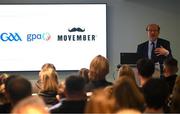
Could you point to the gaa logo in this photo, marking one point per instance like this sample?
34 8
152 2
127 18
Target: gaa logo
10 37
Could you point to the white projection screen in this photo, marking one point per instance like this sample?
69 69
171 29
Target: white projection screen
66 35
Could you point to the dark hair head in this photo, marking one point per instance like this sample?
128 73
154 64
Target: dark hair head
145 67
17 88
172 64
155 93
74 84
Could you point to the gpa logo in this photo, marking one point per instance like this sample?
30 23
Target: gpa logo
41 36
5 37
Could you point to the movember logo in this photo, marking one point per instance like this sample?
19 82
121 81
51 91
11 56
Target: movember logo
76 29
77 37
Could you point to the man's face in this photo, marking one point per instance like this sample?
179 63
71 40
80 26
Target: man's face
153 32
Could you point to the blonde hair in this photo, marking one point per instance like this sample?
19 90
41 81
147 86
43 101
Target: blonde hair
47 66
99 68
3 78
3 98
126 70
49 79
127 94
30 105
100 102
128 111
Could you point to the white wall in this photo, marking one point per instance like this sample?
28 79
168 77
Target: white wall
127 20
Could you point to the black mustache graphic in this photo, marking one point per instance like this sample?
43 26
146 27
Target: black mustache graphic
76 29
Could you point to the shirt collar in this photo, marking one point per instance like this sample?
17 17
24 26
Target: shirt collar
155 42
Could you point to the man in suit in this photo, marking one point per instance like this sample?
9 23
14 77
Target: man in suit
156 49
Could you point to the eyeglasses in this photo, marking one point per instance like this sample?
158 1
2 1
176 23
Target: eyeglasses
153 30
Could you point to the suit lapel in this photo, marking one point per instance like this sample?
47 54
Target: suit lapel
146 49
158 43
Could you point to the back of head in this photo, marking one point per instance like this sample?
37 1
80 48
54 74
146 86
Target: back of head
74 85
145 67
30 105
47 66
127 94
155 93
100 102
171 64
17 88
128 111
126 70
83 72
49 79
99 68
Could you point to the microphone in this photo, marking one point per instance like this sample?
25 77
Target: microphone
118 66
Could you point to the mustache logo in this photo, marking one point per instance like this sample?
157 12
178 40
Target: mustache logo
76 29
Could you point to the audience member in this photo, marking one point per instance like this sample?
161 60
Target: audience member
37 85
169 72
100 102
156 94
75 96
109 90
84 73
3 98
128 95
49 85
99 68
145 69
4 101
17 88
126 70
3 78
128 111
175 103
30 105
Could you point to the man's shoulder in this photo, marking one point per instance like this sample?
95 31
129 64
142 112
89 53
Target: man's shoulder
143 44
162 40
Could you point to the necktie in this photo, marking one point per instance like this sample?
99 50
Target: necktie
153 55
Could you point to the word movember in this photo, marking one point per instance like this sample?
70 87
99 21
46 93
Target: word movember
76 37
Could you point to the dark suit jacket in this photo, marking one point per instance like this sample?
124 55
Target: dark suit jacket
142 50
70 107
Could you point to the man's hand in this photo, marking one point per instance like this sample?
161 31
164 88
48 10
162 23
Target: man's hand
161 51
